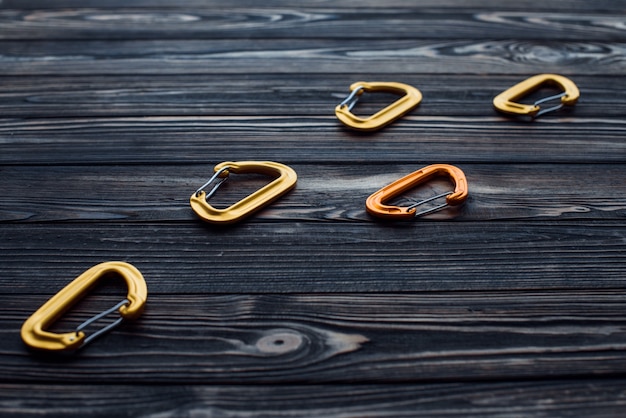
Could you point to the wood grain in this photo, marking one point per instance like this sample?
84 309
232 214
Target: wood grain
314 56
300 95
322 257
551 5
168 140
343 338
601 397
332 22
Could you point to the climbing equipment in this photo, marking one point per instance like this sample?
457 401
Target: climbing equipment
376 206
285 181
34 332
411 97
506 101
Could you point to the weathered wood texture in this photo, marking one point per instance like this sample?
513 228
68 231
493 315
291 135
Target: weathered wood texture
341 338
309 22
288 139
299 95
323 257
112 114
569 398
317 56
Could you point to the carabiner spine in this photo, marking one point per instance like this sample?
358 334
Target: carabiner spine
411 97
33 330
285 181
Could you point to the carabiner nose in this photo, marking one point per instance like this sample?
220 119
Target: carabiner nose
376 205
34 332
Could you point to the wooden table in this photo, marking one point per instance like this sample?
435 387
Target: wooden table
113 113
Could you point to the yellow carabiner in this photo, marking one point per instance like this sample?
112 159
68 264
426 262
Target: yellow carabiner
505 101
411 97
285 181
376 206
34 332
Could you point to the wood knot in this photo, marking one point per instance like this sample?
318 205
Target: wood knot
280 342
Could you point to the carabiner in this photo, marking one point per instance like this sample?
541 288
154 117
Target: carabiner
506 101
34 332
376 206
411 97
285 181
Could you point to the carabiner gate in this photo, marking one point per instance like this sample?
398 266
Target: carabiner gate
506 101
34 332
376 206
285 181
411 97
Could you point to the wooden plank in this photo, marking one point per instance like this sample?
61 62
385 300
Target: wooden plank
334 193
593 397
309 22
293 140
322 257
314 56
548 5
273 95
283 339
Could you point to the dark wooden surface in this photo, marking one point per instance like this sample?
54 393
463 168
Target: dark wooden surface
113 113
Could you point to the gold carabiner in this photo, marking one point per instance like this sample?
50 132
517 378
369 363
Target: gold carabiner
285 181
376 206
411 97
34 332
506 101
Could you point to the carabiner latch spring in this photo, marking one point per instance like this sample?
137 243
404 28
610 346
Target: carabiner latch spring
429 210
105 329
211 180
352 98
550 109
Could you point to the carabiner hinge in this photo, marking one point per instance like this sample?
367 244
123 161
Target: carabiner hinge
376 204
410 98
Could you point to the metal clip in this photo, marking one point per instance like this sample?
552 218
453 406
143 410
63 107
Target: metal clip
105 329
33 331
411 97
285 181
506 101
376 206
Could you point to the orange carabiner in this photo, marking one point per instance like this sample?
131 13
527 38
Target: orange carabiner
505 101
34 332
411 97
376 206
285 181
